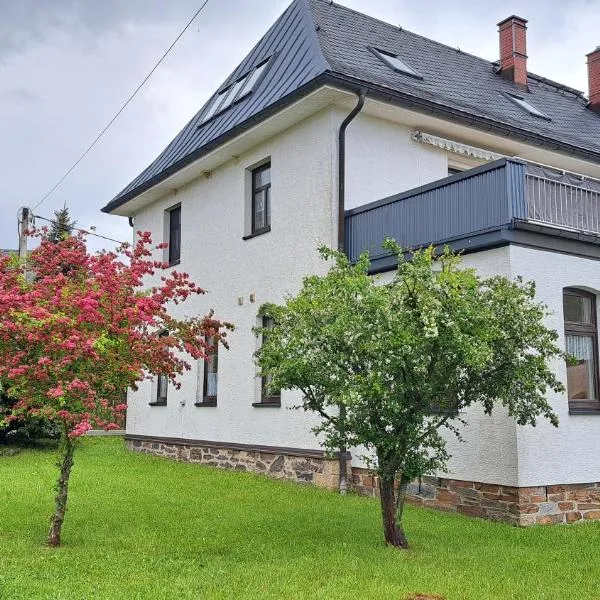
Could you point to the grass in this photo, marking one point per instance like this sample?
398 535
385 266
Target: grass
140 527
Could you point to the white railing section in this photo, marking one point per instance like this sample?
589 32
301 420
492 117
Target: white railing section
562 204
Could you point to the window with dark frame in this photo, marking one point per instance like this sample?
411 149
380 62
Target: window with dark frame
162 384
268 395
174 235
261 199
395 62
581 341
211 373
237 90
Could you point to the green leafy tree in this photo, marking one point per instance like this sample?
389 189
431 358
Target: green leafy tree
406 359
62 225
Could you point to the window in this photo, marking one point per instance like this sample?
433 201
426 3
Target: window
261 199
236 91
161 389
395 62
268 395
174 235
211 371
532 110
162 384
581 338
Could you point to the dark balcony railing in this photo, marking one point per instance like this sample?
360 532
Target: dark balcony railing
501 195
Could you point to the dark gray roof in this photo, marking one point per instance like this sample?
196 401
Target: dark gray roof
316 42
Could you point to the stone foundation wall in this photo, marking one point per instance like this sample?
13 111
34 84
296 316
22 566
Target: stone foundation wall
524 506
303 468
518 506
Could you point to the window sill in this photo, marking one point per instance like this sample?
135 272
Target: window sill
268 404
584 410
206 403
257 233
158 403
173 264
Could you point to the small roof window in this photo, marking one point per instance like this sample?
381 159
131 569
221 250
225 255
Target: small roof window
525 105
395 62
236 91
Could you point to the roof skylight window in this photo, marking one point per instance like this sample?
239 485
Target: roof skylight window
532 110
236 91
395 62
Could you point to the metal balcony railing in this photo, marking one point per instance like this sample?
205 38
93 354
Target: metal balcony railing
562 201
502 195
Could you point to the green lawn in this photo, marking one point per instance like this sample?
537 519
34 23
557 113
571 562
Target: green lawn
147 528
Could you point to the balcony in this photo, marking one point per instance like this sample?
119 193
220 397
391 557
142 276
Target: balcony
505 201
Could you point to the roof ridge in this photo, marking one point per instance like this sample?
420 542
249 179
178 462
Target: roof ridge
493 63
313 33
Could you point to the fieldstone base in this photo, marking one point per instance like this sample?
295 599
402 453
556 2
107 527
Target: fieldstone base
311 467
524 506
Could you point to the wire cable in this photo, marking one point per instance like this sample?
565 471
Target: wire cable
86 231
131 97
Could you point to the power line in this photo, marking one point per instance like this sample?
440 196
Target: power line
86 231
131 97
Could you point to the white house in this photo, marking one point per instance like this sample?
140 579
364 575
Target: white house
340 129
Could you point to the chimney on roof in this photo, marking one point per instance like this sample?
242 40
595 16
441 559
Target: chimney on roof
513 50
594 79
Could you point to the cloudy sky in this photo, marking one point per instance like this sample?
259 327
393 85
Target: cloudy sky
66 66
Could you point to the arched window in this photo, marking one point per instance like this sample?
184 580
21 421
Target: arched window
581 336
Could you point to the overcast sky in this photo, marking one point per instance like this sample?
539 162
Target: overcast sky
66 66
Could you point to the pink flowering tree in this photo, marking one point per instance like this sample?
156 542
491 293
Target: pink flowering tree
76 329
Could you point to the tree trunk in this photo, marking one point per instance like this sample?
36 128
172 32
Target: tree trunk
343 462
392 531
62 489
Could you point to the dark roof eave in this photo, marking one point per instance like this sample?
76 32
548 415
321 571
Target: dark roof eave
448 112
377 92
118 201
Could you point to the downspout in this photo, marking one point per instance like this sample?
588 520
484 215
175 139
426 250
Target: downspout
343 461
342 170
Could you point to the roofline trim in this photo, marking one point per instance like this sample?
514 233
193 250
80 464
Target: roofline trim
482 123
375 92
267 112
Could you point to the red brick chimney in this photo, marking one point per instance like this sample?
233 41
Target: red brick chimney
513 50
594 79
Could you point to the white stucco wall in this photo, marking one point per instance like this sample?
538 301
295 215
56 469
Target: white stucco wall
304 214
569 454
383 160
269 266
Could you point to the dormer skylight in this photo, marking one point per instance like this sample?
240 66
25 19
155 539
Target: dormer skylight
532 110
395 62
236 91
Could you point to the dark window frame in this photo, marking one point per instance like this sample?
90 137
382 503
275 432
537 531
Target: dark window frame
212 351
255 191
524 104
174 251
385 55
161 400
582 406
218 106
273 400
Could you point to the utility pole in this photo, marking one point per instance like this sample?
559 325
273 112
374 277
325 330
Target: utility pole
24 220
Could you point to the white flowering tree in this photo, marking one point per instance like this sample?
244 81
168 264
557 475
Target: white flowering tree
406 359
